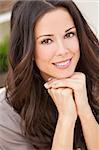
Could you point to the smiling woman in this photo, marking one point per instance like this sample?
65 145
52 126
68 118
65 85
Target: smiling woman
51 99
57 47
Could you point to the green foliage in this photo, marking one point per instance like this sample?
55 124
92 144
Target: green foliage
4 45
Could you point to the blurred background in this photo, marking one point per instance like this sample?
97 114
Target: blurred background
5 13
89 8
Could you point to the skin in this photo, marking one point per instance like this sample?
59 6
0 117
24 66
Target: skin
66 87
58 46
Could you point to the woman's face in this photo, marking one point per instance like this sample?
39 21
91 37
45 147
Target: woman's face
57 48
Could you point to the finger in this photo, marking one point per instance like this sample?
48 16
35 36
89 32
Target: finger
55 94
67 83
53 91
67 91
50 80
72 82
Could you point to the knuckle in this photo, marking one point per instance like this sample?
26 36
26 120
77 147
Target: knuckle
83 76
67 91
59 91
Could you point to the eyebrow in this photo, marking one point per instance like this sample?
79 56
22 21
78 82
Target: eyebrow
70 29
53 35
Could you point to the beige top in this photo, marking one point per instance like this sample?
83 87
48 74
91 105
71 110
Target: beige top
11 137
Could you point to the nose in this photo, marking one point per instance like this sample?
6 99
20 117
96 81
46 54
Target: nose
61 47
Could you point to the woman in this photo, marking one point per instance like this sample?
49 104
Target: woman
52 99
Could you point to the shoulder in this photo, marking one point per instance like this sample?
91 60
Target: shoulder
7 114
8 117
10 127
2 93
9 121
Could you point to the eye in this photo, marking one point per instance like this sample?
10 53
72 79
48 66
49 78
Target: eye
70 35
46 41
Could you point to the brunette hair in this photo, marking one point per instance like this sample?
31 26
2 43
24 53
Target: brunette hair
25 90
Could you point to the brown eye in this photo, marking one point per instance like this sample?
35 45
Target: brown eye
46 41
70 35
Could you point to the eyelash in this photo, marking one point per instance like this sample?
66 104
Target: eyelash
68 35
46 41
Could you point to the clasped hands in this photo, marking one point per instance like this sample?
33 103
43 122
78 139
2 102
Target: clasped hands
69 94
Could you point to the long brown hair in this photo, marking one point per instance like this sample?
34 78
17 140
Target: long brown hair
25 90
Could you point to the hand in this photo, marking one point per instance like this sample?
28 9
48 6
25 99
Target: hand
63 99
77 82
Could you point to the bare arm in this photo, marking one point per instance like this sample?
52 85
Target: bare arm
63 137
90 128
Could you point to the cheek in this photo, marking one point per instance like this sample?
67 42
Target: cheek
73 45
76 47
44 54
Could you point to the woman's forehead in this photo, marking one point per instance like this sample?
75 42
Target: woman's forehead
54 20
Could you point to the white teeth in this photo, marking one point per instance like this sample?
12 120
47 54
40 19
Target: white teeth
63 63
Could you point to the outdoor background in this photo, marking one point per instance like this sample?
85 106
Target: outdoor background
89 8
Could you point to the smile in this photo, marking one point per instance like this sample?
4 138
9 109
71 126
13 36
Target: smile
63 64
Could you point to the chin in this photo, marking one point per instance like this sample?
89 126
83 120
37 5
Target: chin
58 75
66 75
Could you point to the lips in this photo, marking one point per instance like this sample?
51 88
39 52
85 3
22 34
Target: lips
63 64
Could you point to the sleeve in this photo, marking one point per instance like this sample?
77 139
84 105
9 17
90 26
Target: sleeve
11 137
1 148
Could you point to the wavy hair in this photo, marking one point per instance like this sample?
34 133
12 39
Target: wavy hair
25 90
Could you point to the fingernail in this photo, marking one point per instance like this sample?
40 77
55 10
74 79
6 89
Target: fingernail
49 79
46 85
